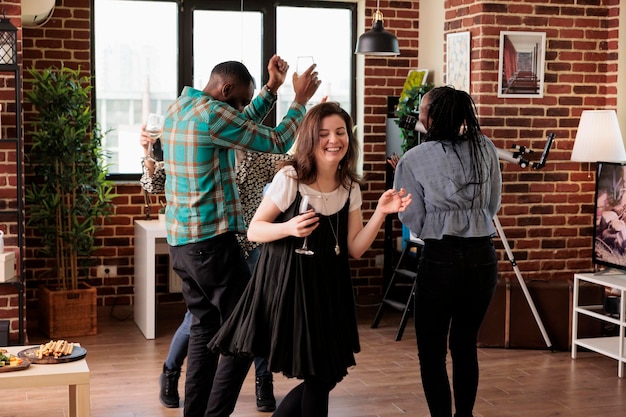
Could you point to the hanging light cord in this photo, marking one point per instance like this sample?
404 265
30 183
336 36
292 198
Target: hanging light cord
241 43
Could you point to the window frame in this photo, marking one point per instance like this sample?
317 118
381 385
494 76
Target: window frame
269 10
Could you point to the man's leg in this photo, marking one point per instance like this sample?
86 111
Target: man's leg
265 400
173 363
229 377
214 276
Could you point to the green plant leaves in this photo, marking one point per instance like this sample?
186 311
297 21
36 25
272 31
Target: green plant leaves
70 192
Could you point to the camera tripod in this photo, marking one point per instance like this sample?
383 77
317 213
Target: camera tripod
517 157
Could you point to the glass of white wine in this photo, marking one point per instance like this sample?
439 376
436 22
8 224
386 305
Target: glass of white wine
154 125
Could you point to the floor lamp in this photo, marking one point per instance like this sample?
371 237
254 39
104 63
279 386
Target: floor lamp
598 138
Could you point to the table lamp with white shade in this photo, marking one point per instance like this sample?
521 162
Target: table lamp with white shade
598 138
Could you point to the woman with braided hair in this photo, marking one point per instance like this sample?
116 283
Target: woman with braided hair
455 180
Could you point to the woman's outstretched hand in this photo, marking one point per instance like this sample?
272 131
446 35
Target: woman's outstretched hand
392 201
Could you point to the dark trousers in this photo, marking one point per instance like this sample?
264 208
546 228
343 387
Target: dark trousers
456 280
214 274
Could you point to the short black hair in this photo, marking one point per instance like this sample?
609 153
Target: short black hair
235 71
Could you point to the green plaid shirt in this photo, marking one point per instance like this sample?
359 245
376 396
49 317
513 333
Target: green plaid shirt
199 142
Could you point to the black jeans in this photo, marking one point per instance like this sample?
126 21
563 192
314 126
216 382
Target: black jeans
214 274
456 279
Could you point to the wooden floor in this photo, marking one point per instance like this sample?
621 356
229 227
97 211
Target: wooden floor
386 382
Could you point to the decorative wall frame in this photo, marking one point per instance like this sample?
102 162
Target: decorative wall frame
458 60
521 64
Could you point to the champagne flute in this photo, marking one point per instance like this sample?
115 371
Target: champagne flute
303 63
304 207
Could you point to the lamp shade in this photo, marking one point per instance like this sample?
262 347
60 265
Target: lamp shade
598 138
377 41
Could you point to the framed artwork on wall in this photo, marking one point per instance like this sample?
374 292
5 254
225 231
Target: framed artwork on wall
521 64
458 60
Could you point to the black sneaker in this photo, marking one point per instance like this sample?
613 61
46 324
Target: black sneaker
265 400
169 388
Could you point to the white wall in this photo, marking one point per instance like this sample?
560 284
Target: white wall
431 39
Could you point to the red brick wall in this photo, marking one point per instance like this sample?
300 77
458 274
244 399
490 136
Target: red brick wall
546 214
8 174
66 41
384 76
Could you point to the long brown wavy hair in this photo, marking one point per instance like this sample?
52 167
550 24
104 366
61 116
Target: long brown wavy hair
307 141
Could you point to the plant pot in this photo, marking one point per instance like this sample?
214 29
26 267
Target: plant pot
68 313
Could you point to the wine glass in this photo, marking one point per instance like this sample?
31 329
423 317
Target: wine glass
154 129
304 207
154 125
303 63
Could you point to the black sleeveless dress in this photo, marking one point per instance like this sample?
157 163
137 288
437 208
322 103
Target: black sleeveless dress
298 311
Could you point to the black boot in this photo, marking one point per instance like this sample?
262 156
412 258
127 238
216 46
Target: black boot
169 388
265 400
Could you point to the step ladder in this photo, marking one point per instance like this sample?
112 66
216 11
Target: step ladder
404 274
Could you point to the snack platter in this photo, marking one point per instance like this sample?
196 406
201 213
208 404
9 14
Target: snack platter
9 363
55 351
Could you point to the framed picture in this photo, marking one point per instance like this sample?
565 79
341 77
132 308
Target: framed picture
415 78
522 62
458 60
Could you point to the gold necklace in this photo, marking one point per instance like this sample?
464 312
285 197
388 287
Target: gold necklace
335 234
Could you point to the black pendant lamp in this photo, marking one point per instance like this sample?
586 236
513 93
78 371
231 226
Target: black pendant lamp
377 41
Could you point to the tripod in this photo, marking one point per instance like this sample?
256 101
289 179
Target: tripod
521 281
517 157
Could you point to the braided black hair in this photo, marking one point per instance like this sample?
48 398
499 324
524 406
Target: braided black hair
451 116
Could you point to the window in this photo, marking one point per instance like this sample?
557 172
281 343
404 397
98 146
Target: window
136 73
326 35
244 43
142 63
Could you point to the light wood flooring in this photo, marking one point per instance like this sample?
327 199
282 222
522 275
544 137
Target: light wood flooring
536 383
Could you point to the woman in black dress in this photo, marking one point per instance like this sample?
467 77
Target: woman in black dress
298 310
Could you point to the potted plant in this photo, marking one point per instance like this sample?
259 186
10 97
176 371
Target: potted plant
68 197
408 106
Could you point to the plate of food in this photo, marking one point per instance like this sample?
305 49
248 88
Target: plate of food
9 362
55 351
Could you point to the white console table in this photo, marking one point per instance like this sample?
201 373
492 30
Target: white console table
613 347
150 240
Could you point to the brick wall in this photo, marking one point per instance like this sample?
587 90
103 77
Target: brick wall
384 76
546 214
9 300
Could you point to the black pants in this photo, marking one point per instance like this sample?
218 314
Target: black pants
214 274
456 280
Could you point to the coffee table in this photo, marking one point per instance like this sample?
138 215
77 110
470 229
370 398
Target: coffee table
73 374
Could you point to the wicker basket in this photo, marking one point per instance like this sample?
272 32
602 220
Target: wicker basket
68 313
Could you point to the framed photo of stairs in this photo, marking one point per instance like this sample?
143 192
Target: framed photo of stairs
521 64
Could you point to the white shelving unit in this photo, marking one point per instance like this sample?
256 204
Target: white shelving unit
613 347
